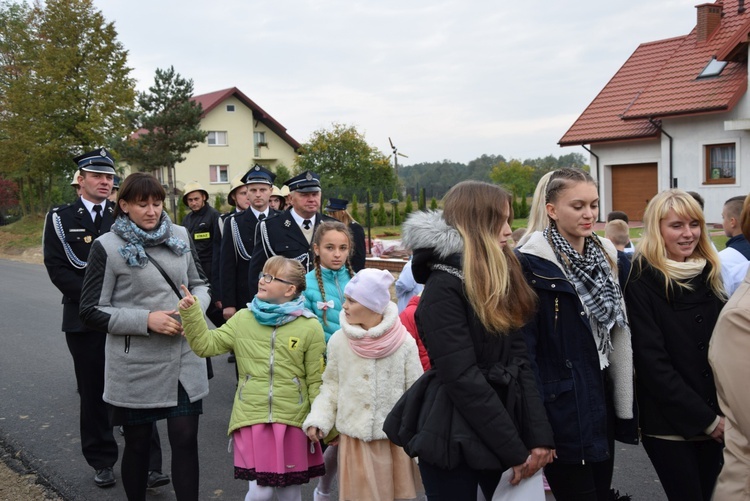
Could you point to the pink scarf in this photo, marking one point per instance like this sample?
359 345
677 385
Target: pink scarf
380 341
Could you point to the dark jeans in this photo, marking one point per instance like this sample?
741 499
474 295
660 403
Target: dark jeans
459 484
580 482
590 481
687 470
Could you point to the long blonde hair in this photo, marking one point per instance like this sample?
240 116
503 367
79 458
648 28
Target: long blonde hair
495 286
538 212
652 251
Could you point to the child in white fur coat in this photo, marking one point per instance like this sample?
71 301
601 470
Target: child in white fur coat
372 361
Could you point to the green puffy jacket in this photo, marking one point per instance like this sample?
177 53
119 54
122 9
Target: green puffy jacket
280 368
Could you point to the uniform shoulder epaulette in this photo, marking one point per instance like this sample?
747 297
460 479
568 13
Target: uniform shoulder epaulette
61 208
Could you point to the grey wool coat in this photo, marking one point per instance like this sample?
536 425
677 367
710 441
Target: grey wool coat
142 369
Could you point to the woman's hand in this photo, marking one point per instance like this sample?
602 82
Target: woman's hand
518 474
315 434
188 300
162 322
539 458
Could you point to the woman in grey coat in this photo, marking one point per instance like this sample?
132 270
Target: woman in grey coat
131 291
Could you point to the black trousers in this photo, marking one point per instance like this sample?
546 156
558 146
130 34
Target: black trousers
457 484
97 440
687 470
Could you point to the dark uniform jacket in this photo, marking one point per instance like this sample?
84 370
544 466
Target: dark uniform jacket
360 249
237 244
216 256
201 226
69 232
280 236
675 386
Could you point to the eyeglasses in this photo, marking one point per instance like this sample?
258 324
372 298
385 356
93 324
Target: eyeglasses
268 278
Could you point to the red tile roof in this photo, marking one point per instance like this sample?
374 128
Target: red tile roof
660 80
213 99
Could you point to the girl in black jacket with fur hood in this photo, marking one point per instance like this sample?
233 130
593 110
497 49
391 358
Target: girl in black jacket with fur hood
481 386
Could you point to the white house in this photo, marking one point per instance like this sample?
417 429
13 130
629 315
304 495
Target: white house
676 114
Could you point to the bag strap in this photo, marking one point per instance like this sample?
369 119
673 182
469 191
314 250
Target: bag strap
164 274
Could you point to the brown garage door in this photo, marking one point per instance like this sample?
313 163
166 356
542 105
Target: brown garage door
632 187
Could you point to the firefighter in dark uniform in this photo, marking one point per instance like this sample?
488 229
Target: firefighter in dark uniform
238 240
69 232
290 233
238 199
200 223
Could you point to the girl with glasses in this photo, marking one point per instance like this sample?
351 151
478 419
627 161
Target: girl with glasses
279 345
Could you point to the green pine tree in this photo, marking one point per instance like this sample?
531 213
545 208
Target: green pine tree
218 202
172 123
433 203
422 205
381 216
408 209
355 208
181 211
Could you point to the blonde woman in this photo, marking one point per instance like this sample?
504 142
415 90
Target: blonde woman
579 342
674 296
481 413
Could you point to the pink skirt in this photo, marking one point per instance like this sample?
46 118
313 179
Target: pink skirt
276 455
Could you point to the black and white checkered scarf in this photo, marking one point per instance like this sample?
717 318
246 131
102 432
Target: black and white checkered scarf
592 278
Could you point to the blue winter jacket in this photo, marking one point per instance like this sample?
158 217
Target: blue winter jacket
333 283
579 397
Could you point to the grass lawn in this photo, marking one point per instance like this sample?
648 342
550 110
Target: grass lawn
21 235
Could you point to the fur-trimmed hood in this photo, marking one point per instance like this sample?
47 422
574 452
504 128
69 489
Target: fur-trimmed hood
428 230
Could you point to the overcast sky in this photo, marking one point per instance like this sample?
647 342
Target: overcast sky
445 79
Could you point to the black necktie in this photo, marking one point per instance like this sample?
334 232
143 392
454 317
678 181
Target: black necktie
306 224
261 216
98 218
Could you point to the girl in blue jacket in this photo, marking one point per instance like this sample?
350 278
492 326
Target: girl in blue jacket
324 295
579 340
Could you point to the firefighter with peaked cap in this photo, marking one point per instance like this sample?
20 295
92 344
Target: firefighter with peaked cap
239 239
290 233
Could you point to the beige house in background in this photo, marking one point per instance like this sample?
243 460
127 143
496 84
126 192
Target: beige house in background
240 135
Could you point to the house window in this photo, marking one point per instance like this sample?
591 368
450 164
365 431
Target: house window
230 108
217 138
259 139
713 68
721 163
219 173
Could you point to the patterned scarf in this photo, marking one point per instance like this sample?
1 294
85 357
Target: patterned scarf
137 238
277 315
592 278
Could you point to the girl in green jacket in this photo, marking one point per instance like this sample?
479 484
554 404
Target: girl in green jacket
279 345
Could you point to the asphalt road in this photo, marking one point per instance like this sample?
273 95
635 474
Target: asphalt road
39 406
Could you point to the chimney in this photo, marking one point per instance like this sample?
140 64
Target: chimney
709 18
